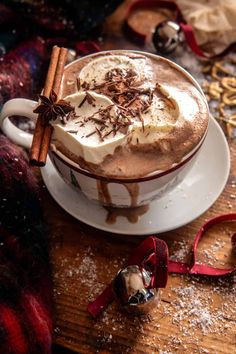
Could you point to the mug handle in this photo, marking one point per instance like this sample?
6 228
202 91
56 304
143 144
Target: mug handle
19 107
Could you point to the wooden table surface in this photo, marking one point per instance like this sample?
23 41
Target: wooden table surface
195 314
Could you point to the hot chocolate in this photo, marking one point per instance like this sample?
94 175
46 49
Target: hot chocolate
134 114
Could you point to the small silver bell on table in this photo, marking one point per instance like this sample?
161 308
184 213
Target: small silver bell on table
130 289
166 37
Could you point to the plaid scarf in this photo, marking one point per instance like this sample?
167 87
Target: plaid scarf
25 272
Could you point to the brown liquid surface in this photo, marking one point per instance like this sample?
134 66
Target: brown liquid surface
133 161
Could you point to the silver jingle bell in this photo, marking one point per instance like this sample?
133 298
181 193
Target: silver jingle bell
166 37
130 289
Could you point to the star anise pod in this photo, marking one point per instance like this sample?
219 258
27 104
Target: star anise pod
51 108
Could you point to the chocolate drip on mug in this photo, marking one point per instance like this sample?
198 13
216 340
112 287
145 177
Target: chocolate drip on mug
105 197
103 192
133 190
132 214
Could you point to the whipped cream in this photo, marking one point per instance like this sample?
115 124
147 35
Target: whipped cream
82 134
119 104
95 71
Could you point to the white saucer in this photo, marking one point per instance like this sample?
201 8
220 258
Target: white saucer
190 199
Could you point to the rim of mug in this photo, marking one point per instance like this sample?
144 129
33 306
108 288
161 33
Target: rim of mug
75 167
152 175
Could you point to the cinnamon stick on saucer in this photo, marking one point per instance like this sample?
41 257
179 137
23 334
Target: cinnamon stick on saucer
43 132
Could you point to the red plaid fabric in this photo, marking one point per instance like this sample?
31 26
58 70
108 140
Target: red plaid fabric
25 281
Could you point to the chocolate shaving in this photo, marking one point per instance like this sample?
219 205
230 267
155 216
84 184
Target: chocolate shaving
125 124
73 115
145 106
122 108
130 73
129 81
90 134
115 129
99 134
112 88
97 120
146 110
108 107
78 84
82 102
121 93
101 111
90 99
85 85
72 131
132 112
108 76
150 96
131 101
98 86
108 133
118 81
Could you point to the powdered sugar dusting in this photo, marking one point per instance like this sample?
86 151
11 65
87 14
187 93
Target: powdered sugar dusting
180 250
195 309
190 309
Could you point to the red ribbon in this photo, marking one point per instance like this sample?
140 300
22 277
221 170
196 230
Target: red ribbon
197 268
152 253
187 29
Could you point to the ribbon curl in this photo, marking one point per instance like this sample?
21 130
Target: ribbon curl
197 268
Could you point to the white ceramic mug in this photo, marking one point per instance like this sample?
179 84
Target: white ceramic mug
115 192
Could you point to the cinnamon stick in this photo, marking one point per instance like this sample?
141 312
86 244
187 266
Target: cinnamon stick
36 143
45 145
56 88
42 133
39 128
60 70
